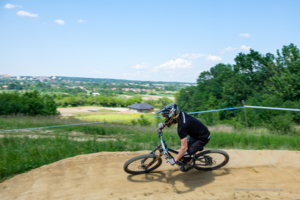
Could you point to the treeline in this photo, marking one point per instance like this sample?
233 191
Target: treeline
30 103
85 100
33 103
106 101
261 80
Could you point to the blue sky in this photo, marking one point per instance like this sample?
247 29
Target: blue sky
139 40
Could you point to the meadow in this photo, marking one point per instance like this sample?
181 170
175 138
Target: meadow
112 117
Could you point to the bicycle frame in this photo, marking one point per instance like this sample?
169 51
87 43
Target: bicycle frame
164 150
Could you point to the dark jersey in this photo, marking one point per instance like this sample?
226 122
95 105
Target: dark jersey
188 125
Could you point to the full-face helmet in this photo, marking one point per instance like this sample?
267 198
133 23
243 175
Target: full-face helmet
171 113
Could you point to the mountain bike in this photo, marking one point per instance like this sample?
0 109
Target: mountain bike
206 160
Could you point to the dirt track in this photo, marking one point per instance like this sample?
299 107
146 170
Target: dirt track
101 176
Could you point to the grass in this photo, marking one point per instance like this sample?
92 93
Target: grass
18 122
23 153
111 117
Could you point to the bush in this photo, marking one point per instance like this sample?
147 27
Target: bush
144 121
97 130
30 103
87 129
281 123
133 122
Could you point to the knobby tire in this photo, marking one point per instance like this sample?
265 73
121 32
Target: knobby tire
214 167
139 158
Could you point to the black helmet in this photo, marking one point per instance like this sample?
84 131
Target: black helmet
171 112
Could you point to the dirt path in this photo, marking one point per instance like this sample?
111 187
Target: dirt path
248 175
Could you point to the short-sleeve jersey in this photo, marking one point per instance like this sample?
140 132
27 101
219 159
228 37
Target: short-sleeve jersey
188 125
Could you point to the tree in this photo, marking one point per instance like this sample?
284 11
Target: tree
259 79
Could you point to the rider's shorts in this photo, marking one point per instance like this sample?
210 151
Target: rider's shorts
196 145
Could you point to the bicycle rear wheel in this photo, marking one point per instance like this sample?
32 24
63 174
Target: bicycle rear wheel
211 159
135 165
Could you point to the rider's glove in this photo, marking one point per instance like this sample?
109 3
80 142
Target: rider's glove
172 161
161 125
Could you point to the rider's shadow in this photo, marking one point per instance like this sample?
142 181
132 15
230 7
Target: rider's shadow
191 180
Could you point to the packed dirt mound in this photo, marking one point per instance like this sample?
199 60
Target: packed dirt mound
248 175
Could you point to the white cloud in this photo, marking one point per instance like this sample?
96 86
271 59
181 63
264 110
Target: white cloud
25 13
60 21
245 35
140 66
8 6
174 64
213 58
228 49
192 55
81 21
244 47
208 57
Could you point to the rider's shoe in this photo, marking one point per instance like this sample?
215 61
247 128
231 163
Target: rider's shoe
187 167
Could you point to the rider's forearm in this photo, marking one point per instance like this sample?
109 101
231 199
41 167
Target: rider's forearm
181 153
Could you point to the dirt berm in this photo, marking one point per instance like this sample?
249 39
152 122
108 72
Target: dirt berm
250 174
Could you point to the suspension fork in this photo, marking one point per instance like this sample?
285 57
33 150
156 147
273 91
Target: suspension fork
155 158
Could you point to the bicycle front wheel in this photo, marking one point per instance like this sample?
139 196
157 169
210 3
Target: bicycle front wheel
138 164
211 159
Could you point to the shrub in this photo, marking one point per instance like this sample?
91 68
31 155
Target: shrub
133 122
30 103
281 123
87 129
144 121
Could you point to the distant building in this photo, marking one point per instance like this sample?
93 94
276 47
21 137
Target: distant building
95 93
141 107
4 86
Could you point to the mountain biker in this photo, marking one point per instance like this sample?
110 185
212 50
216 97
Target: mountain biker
199 135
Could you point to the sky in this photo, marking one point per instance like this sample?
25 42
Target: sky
139 40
